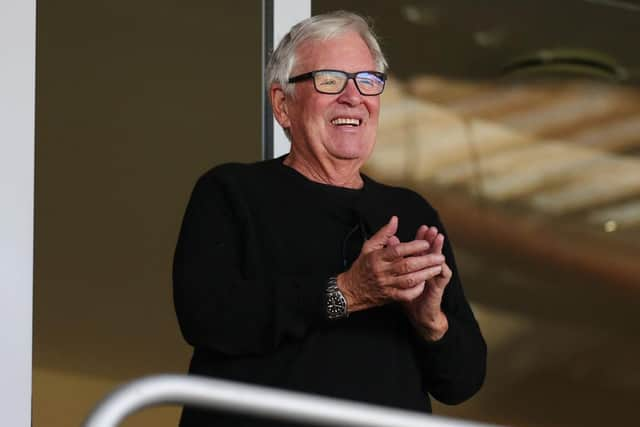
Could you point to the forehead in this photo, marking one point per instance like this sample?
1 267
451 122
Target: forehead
346 52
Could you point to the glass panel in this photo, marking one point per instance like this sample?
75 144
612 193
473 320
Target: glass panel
520 122
135 100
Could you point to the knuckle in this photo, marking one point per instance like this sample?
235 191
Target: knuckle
447 271
393 252
377 271
390 294
404 267
380 280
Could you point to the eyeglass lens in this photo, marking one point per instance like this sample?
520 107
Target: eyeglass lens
335 82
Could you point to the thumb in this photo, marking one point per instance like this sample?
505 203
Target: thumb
379 240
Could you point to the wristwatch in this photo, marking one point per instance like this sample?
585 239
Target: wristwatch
336 303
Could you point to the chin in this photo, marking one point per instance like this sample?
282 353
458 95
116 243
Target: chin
350 151
349 154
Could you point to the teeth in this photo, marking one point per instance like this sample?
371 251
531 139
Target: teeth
345 121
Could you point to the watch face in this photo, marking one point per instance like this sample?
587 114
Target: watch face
336 305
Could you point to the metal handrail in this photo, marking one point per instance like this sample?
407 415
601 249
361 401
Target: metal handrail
254 400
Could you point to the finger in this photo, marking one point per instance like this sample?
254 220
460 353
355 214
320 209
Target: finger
410 264
379 240
408 294
415 247
393 240
431 234
421 232
446 272
442 280
437 244
415 278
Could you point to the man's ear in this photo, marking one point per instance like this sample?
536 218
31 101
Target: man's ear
279 105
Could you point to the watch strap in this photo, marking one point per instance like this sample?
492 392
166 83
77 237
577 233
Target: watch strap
336 303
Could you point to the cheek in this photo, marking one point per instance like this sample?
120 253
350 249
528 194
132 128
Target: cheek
374 108
316 115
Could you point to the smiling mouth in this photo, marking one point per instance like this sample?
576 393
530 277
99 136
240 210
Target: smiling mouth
344 121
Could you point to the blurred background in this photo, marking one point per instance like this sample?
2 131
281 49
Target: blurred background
519 121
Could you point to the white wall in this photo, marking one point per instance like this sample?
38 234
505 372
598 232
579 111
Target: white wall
286 13
17 74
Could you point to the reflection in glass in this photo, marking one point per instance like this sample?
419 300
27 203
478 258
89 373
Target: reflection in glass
537 177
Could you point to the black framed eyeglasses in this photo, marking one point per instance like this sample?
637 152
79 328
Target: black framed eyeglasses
332 82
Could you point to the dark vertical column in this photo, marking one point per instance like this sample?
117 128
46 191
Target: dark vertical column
267 47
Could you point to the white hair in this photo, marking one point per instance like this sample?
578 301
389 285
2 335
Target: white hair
318 27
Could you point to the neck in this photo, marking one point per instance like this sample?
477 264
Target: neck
339 173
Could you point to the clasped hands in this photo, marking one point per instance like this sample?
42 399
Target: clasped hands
413 273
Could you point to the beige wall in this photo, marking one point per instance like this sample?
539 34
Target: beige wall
134 101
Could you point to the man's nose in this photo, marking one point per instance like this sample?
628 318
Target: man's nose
350 95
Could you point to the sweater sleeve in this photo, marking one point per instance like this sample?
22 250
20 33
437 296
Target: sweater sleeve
453 368
218 304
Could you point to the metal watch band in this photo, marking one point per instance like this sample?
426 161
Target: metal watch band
336 303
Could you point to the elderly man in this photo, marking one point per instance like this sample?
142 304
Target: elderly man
302 273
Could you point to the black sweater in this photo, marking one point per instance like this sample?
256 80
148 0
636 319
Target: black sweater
257 245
